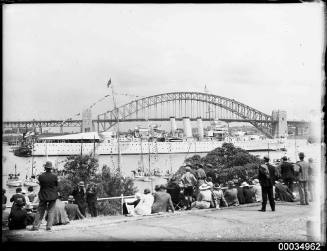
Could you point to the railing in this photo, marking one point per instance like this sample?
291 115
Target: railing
121 197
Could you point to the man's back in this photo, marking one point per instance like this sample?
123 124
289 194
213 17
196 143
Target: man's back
17 219
188 179
201 174
304 170
73 212
162 202
16 196
287 170
48 186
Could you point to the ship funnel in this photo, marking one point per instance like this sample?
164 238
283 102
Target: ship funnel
173 124
187 127
200 127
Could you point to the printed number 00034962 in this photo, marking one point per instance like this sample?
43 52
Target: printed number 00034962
298 246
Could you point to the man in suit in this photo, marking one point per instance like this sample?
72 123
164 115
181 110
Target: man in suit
287 173
91 198
162 201
267 176
80 197
303 179
47 196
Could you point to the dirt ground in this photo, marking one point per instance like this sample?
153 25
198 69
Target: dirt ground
243 223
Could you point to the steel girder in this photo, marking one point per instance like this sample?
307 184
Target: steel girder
242 110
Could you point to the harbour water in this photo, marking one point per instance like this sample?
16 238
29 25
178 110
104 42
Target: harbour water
163 162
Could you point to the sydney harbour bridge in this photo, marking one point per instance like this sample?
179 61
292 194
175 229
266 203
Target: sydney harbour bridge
179 105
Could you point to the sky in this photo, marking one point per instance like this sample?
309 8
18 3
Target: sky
58 58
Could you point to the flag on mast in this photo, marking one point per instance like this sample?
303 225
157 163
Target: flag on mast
109 83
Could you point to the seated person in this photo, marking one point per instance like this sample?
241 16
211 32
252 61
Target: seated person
283 193
18 216
134 203
162 201
17 195
31 194
230 194
72 209
204 198
248 193
218 197
257 190
240 195
177 194
59 213
208 181
145 204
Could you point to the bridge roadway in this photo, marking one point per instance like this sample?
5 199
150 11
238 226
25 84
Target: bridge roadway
78 123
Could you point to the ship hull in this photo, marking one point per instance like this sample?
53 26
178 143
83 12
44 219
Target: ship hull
134 147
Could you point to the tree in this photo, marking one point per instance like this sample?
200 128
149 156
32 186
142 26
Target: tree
81 168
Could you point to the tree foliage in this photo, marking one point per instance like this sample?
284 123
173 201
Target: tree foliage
228 162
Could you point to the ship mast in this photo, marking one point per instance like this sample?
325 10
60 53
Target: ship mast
117 117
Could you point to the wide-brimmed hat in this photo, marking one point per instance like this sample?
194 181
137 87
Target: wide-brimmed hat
204 187
48 165
71 198
209 165
244 184
255 181
81 183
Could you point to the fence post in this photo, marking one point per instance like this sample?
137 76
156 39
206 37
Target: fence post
122 202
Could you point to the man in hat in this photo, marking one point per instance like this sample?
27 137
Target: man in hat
72 210
162 201
230 194
287 173
91 198
303 179
204 197
18 216
267 176
188 181
47 196
218 196
249 196
80 197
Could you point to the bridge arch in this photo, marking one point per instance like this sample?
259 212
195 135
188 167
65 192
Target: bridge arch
260 120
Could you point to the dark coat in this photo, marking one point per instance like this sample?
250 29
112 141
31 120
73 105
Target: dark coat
267 181
249 195
91 195
17 219
80 196
162 202
48 186
240 195
16 196
287 170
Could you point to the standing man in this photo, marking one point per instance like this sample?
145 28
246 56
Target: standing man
91 198
80 197
47 196
267 176
303 179
189 181
287 173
